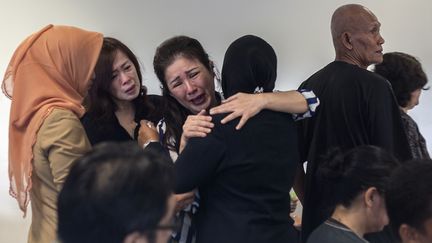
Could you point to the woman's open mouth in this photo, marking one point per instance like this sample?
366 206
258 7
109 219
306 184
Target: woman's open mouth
199 100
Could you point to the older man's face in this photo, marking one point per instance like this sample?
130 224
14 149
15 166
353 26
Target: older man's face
367 40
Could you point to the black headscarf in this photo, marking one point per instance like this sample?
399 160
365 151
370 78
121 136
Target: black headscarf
249 65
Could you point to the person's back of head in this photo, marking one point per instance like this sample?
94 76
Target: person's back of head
351 172
113 192
404 72
409 201
249 66
355 181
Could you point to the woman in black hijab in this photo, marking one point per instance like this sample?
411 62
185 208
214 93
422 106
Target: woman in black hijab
244 176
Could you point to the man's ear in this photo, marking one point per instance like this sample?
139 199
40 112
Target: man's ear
135 237
408 234
346 40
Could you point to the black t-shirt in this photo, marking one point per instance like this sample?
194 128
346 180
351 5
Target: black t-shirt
357 108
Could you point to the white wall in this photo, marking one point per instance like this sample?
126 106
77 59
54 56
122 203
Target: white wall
299 33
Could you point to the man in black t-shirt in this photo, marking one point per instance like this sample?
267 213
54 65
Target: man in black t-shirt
357 106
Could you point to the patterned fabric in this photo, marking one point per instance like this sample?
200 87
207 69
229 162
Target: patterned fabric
416 141
312 101
184 218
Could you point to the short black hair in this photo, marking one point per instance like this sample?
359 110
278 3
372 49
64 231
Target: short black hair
409 195
346 174
114 190
405 74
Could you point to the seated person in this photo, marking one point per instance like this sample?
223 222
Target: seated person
409 202
354 182
117 193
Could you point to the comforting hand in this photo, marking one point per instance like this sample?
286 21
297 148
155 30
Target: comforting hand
183 200
240 105
147 133
196 126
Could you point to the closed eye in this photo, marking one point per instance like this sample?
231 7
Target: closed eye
114 76
176 84
193 74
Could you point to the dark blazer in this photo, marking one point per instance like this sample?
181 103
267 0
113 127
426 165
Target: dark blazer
244 178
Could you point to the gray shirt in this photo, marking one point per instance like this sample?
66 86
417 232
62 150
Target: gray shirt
332 231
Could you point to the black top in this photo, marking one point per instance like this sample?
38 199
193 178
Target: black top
111 130
357 108
244 178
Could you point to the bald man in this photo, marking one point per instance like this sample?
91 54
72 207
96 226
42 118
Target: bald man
357 106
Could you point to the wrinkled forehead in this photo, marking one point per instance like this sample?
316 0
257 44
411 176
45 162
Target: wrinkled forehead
369 16
361 21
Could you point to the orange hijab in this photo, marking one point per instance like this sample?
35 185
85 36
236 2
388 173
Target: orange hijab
51 68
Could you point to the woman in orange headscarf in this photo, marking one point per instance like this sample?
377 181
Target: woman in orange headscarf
47 79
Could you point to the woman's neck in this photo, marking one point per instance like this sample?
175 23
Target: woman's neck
352 218
125 114
124 106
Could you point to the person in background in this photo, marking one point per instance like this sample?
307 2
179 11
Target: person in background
409 202
47 79
407 79
117 100
355 182
117 193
